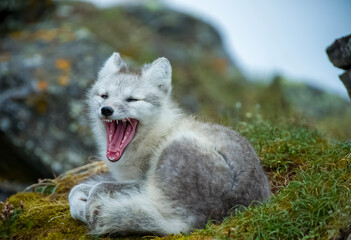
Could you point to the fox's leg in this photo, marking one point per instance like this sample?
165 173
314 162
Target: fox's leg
77 200
78 196
126 208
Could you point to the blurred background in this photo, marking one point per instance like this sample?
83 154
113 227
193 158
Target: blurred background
233 61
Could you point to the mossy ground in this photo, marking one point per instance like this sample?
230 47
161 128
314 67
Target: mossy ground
45 213
310 178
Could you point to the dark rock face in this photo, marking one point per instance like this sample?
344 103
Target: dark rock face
346 79
14 14
180 31
339 54
45 72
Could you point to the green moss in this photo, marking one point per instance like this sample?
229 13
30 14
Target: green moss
304 209
43 217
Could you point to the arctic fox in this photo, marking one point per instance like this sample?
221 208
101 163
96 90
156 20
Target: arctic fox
168 172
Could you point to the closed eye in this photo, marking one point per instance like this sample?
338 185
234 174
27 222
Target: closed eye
104 96
130 99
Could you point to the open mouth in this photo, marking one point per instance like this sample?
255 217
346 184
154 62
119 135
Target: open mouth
119 134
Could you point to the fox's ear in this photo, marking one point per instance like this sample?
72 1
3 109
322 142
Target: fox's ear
112 65
160 73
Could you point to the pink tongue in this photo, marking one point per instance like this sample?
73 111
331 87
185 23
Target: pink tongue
118 137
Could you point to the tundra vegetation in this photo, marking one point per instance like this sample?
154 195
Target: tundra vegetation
300 133
310 178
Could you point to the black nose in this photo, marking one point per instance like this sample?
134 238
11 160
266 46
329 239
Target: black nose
106 111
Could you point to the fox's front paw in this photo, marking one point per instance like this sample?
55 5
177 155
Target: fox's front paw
93 212
77 201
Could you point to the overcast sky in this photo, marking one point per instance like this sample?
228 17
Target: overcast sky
274 36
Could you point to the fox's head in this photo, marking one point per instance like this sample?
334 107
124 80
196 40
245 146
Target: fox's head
122 101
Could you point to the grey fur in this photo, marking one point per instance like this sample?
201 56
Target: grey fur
154 100
176 173
186 176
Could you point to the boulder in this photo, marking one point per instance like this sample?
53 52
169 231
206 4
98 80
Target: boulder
45 72
346 79
339 54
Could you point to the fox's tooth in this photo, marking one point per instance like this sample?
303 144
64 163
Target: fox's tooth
124 121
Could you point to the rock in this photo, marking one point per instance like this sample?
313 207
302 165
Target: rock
14 14
339 52
44 75
346 79
176 32
18 164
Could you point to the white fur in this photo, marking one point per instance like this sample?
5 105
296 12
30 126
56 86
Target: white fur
156 77
112 65
160 73
141 205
